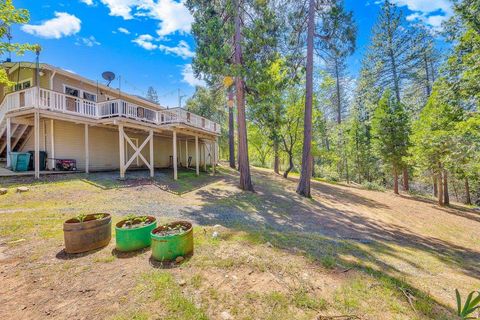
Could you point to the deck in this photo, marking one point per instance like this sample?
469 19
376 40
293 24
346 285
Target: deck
44 99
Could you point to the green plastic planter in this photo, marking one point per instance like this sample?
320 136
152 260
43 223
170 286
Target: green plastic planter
169 247
135 238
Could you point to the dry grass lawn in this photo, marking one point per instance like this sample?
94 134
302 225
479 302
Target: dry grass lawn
347 252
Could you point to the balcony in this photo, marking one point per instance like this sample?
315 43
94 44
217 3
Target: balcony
62 103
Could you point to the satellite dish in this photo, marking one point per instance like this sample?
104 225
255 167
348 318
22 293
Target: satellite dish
109 76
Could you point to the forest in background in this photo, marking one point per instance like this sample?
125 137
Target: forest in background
278 83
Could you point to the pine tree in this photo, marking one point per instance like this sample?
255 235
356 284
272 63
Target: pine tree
392 55
152 95
390 131
224 31
303 187
335 49
432 137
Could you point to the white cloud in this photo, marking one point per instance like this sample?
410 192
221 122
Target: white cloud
64 24
414 16
189 76
89 42
427 6
121 8
172 15
182 50
146 42
87 2
435 21
432 13
123 30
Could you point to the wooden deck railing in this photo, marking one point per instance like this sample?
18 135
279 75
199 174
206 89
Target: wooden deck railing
60 102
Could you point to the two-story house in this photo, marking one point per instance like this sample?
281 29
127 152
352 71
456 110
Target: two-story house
70 117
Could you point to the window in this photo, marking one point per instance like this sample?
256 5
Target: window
22 85
89 96
72 91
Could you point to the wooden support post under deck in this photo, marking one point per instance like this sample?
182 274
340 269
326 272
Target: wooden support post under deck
9 141
52 145
175 176
214 151
205 157
186 153
37 144
152 165
121 145
197 162
87 150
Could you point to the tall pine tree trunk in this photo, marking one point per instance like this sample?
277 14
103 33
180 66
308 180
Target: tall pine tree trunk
313 167
337 88
306 173
427 76
395 181
231 137
468 199
440 189
435 188
406 185
243 163
446 197
276 158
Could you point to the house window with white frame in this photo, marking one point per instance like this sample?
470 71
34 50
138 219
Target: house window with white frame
89 96
22 85
72 91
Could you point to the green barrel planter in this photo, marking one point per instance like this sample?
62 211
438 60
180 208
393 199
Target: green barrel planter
167 245
134 238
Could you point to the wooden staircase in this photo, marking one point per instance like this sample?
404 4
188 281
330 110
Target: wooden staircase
19 133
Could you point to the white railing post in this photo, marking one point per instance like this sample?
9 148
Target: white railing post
9 141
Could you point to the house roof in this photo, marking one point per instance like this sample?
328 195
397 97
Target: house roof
12 66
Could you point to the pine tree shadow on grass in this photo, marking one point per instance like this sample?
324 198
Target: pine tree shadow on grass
277 215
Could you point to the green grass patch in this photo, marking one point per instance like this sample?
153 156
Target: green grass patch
328 262
303 300
165 290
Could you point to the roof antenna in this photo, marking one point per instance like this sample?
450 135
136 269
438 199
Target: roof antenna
109 76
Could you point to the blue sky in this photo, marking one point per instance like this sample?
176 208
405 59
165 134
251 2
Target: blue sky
148 42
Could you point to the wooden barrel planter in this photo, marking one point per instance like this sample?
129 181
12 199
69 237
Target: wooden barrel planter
95 231
134 234
172 240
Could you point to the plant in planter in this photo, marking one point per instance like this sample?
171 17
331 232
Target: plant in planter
87 232
172 240
133 233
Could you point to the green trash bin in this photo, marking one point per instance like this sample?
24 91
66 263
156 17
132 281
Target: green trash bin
43 160
20 161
